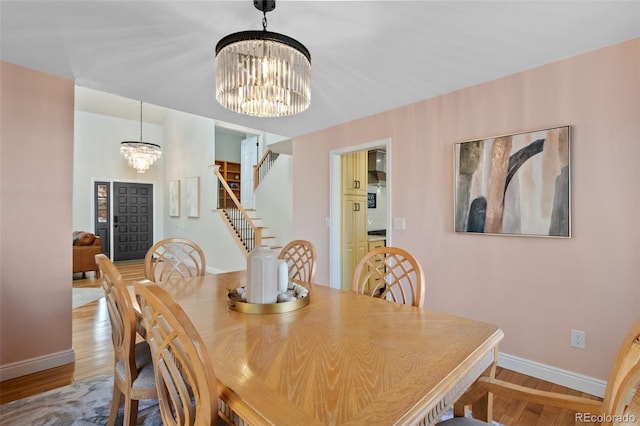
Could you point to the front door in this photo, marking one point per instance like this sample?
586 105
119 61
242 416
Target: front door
132 220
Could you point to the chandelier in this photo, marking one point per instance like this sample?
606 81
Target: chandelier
140 155
262 73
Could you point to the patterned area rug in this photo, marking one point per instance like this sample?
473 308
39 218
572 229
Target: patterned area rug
82 403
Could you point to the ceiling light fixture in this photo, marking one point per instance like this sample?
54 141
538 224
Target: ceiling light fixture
261 73
141 155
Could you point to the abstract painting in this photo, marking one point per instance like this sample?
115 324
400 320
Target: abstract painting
193 197
174 198
516 184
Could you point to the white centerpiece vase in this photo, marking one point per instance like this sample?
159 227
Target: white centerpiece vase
262 275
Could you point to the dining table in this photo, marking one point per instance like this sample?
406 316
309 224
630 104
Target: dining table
343 359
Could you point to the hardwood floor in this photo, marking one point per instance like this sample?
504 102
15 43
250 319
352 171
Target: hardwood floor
94 357
91 343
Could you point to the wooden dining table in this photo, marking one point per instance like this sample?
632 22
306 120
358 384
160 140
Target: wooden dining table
344 359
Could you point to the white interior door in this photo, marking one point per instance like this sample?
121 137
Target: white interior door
249 158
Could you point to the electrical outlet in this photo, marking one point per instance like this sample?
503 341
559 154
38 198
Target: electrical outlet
578 339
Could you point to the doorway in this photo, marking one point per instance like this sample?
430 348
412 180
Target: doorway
335 205
132 220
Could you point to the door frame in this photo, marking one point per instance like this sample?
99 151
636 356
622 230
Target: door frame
157 204
335 196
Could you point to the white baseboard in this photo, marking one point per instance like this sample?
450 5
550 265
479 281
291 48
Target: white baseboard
552 374
34 365
212 270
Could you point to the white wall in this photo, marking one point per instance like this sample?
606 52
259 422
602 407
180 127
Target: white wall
228 146
274 200
189 151
96 157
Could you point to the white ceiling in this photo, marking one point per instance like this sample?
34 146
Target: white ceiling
367 56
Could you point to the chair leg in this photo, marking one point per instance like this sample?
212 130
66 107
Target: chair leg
483 408
130 412
115 404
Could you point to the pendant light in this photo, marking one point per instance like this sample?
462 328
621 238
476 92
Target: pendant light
261 73
140 155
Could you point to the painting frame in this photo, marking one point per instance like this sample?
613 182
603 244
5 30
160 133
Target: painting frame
516 184
174 198
192 196
371 200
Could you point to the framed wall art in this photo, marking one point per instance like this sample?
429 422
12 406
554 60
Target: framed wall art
193 196
371 200
515 184
174 198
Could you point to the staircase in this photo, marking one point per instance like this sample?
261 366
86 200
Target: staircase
247 229
244 224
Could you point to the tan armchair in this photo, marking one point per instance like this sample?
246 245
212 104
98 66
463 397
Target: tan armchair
85 247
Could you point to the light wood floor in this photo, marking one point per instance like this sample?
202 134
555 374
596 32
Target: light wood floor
94 357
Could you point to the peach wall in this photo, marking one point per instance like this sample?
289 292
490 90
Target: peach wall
536 289
36 152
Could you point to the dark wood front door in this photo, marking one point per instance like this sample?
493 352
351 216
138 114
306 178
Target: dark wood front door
132 220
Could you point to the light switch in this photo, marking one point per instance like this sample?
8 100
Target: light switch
398 223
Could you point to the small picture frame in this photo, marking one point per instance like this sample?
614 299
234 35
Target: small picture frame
371 200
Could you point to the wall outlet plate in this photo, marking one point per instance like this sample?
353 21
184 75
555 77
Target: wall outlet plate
578 339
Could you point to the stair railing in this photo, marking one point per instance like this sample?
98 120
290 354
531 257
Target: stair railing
261 169
246 232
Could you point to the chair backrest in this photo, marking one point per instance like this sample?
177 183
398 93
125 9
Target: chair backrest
121 315
301 258
390 273
174 255
622 395
185 379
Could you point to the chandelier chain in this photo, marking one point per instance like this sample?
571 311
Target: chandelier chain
264 20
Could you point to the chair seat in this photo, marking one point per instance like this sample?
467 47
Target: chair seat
144 362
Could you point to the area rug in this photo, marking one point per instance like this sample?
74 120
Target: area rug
82 296
82 403
449 414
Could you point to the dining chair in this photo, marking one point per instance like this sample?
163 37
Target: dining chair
185 379
174 256
133 377
621 403
301 258
390 273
